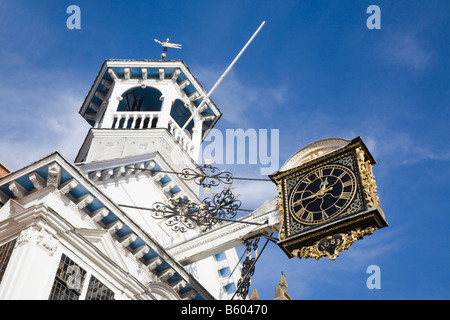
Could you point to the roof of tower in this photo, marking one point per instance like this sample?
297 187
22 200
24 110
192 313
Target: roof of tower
173 70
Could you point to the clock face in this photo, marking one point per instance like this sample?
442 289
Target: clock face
322 194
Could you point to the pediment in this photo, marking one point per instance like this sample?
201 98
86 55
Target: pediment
105 243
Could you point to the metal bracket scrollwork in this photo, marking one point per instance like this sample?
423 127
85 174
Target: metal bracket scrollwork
208 177
248 268
222 205
181 214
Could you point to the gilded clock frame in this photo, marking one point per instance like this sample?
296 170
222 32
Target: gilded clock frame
363 220
347 159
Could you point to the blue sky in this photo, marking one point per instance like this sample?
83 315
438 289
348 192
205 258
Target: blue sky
314 71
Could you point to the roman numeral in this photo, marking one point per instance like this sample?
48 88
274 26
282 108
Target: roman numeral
310 217
307 180
347 183
332 172
300 212
319 173
346 195
342 175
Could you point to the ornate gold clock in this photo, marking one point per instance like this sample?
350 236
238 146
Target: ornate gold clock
327 198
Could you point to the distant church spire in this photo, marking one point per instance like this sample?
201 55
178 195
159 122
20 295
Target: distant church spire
255 295
281 292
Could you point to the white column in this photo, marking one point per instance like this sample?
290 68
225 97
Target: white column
118 89
32 267
163 119
197 139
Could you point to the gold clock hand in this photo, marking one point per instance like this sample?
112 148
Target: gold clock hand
310 197
300 200
323 189
322 192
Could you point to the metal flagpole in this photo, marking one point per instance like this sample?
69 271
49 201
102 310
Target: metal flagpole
223 76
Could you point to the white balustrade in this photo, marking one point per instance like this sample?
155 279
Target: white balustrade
134 120
181 136
147 120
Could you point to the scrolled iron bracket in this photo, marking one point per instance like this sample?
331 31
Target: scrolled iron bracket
208 176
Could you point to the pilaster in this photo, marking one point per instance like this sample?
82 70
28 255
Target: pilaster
31 268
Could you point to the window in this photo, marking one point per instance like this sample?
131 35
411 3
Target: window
5 253
181 114
225 272
230 288
98 291
69 280
141 99
220 256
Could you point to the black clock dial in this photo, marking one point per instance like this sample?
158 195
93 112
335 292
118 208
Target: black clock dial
322 194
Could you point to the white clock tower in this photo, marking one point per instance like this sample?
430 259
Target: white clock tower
147 128
144 116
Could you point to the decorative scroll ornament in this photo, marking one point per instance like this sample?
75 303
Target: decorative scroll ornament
332 245
223 205
282 234
368 180
208 177
181 214
248 268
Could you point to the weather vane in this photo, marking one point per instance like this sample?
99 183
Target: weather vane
166 44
